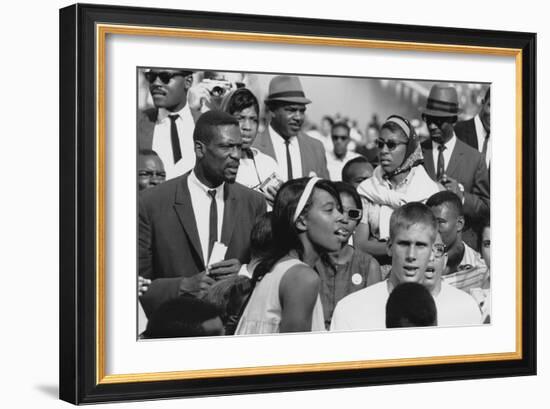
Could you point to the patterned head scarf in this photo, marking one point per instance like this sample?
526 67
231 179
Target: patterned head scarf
413 154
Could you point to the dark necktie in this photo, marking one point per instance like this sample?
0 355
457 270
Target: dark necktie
288 160
248 153
213 223
176 150
485 142
440 161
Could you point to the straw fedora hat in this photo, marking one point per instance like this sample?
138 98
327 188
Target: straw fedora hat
285 88
442 101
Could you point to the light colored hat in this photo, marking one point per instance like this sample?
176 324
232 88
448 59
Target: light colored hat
286 88
442 101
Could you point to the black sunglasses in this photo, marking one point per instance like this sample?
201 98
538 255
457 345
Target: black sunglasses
390 144
438 121
165 76
353 214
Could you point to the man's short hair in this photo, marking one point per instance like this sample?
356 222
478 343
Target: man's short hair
448 198
340 125
410 214
346 172
410 305
180 317
147 152
208 123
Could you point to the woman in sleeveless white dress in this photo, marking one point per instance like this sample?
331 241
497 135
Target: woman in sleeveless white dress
306 222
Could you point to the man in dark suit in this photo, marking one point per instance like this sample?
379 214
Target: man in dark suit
457 166
476 131
297 154
167 128
183 221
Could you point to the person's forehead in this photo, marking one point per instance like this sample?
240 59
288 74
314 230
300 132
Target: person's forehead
149 160
227 133
388 134
415 228
346 197
164 70
292 105
340 130
444 210
321 197
248 111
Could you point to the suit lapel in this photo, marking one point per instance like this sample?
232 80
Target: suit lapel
473 135
229 214
184 210
456 158
305 156
264 144
146 128
429 159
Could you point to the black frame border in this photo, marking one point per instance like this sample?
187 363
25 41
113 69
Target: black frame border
78 197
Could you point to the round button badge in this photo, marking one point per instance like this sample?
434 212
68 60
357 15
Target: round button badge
356 279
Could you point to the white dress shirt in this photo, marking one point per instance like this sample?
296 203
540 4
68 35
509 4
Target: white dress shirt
481 133
280 154
325 140
200 200
162 142
447 153
335 164
252 172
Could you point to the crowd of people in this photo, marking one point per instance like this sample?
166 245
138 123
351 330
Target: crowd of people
252 228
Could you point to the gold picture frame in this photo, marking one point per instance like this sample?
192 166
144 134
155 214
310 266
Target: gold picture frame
83 177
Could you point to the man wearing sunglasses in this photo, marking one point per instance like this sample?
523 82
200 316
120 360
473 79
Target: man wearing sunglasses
167 127
340 155
457 166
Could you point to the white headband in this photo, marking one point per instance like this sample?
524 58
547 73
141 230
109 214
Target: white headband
305 196
402 124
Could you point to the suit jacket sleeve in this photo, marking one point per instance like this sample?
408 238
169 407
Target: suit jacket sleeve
321 159
324 169
161 289
145 242
477 202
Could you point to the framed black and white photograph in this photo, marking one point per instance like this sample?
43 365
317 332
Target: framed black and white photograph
336 203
